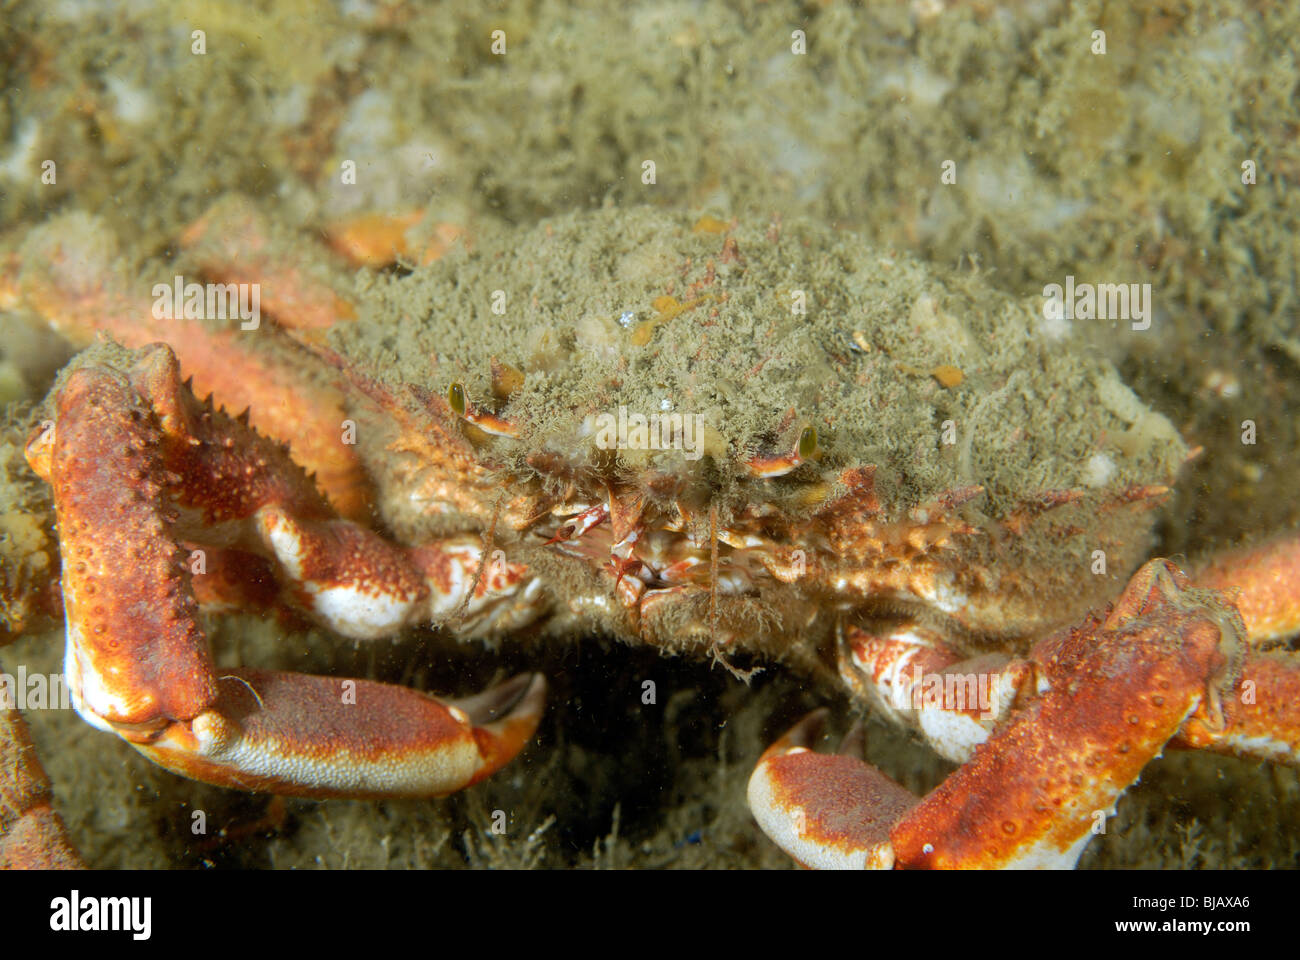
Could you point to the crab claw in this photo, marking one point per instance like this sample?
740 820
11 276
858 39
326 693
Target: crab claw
308 736
828 811
133 458
1108 696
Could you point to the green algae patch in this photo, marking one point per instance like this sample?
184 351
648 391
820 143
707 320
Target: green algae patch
758 335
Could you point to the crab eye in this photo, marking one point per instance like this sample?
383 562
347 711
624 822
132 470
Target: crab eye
456 397
807 442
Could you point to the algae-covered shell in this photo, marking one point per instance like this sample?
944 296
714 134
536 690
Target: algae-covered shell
970 458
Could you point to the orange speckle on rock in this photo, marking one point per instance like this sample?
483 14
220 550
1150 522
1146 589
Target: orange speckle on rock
709 224
666 307
948 375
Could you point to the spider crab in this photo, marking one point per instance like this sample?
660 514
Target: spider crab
748 441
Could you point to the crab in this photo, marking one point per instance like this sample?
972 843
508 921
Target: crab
749 441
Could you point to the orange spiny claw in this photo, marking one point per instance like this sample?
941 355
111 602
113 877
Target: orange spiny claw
1108 696
1114 692
134 458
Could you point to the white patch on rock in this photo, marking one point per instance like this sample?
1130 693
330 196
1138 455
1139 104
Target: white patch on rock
1098 471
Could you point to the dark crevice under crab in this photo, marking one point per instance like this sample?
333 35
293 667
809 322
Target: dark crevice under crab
770 444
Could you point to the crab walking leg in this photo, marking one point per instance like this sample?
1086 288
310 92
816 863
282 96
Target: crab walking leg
32 836
359 585
953 703
1258 717
235 243
66 276
1263 582
136 661
1110 694
238 485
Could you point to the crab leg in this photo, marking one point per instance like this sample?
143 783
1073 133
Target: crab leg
234 243
32 835
1264 584
1259 718
133 457
65 274
900 671
954 703
1110 695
